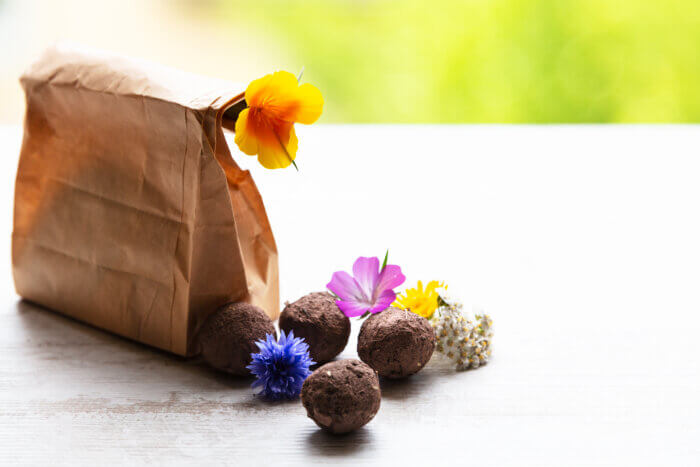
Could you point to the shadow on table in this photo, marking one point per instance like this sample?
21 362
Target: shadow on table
417 384
321 443
74 346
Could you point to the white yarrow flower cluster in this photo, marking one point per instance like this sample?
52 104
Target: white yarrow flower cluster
464 340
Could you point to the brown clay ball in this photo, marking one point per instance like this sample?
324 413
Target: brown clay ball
227 337
317 319
396 343
341 396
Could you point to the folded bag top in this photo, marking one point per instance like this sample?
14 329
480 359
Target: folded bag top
130 213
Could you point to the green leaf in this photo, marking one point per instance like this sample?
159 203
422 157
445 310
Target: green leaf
386 258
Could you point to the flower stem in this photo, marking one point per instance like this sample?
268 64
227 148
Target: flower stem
284 148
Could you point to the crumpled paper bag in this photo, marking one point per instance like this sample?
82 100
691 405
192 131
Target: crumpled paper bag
130 213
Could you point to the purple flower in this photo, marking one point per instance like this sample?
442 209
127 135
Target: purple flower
281 367
371 290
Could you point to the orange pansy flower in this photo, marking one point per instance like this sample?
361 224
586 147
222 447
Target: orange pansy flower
266 127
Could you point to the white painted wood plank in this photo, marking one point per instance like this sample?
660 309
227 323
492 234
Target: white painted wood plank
581 242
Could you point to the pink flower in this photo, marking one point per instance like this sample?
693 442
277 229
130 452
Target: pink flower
371 290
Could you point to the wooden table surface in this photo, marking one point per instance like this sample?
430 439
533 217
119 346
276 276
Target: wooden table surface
583 243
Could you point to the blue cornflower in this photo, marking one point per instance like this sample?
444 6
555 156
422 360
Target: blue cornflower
281 367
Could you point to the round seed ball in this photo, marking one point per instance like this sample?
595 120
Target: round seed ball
396 343
341 396
317 319
227 337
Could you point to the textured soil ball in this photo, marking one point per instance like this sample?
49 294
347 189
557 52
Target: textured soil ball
317 319
396 343
341 396
228 336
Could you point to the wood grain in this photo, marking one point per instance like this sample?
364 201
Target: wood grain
581 243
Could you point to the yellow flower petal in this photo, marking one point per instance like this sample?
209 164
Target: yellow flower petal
266 91
310 104
421 301
274 156
256 91
246 141
266 127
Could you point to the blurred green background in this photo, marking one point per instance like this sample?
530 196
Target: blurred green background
513 61
492 60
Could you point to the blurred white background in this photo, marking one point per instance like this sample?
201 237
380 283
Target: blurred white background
176 33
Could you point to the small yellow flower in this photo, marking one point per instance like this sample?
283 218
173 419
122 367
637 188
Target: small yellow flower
266 128
421 301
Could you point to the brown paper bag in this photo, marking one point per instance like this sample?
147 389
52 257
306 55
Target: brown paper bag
130 213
